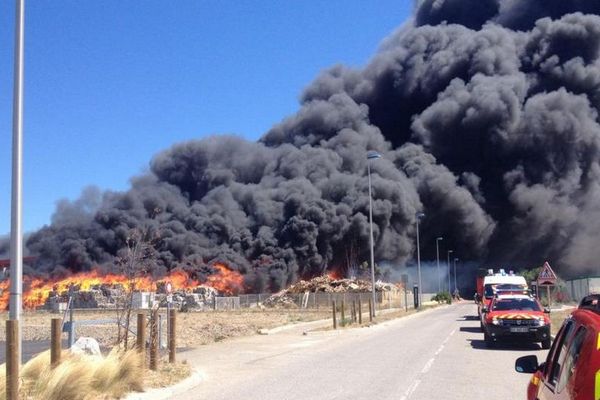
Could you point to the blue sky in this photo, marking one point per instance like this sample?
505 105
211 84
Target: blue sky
110 83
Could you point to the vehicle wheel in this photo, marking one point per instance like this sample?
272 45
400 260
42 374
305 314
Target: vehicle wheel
489 342
481 326
546 344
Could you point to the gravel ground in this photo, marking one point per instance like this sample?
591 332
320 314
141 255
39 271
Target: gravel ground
194 328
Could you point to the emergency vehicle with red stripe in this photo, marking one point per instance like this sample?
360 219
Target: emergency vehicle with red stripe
572 369
516 317
491 284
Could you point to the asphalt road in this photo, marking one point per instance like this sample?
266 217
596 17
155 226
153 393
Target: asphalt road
30 349
436 354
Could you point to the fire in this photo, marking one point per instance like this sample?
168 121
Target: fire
335 275
36 291
225 280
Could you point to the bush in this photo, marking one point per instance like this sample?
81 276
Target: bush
442 297
80 376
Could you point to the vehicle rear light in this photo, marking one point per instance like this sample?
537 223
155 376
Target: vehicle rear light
597 390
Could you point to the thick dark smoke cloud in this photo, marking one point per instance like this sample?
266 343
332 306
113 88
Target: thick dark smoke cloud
485 113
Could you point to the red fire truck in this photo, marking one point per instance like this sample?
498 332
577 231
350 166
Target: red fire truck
490 284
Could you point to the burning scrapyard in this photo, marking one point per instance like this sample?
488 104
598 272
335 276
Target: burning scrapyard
106 290
485 113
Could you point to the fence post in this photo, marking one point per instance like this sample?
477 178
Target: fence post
172 334
370 310
12 359
141 337
154 340
55 341
359 311
343 314
334 315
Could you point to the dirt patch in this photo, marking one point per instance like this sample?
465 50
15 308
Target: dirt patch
194 328
382 316
166 375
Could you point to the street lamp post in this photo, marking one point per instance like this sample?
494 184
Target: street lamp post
16 226
449 288
437 251
372 155
455 287
418 216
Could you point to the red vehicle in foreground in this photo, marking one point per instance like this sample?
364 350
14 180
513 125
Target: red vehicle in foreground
572 369
517 317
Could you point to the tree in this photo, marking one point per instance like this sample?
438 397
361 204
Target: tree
530 275
134 260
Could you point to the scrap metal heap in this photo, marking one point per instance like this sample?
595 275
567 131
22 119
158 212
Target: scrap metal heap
288 298
113 295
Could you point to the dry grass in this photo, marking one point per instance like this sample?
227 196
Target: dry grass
167 375
557 318
194 328
2 381
79 377
118 373
70 380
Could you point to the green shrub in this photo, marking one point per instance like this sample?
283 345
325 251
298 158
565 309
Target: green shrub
442 297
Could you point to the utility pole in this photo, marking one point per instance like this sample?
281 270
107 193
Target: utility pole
418 216
373 155
437 250
449 288
16 227
455 287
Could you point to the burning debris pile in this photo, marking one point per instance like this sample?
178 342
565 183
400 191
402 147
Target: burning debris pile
328 284
98 296
97 290
200 298
324 284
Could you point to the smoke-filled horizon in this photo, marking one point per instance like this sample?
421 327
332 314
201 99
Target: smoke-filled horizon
485 113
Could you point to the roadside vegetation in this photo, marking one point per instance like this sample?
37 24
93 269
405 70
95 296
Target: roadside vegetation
557 318
79 376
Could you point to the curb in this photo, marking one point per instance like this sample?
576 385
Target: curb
278 329
167 392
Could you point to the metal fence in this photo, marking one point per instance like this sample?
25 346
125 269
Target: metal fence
312 300
579 288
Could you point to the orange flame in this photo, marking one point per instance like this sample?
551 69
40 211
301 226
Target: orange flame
36 291
225 280
335 275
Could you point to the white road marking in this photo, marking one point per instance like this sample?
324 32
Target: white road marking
426 368
411 389
439 350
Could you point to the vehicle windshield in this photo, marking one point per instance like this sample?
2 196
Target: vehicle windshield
491 289
516 304
510 286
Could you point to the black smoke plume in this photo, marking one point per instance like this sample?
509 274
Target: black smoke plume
486 116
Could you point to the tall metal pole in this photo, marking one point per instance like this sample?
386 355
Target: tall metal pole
419 215
371 236
455 260
437 250
449 288
16 230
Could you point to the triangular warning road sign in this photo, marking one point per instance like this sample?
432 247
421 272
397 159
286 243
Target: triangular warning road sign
547 275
